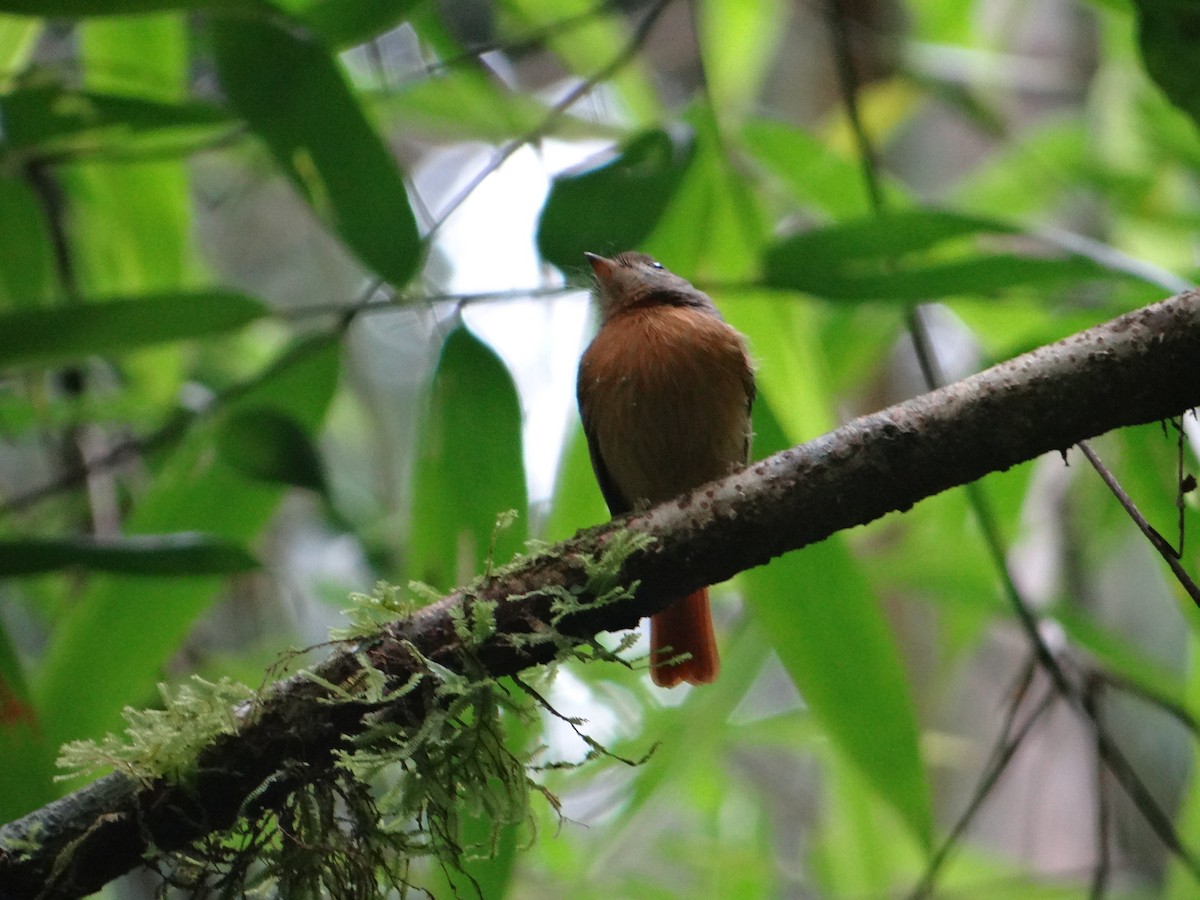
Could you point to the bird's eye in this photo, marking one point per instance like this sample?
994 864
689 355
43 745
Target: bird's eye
656 265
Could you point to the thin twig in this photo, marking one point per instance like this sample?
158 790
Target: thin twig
1170 707
1092 697
402 301
1180 489
556 112
1164 548
848 80
1005 748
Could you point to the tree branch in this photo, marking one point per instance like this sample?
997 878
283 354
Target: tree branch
1135 369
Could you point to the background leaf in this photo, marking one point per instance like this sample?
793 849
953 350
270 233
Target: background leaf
615 206
52 120
181 554
342 23
271 445
67 9
120 325
1168 33
825 624
290 91
469 468
871 260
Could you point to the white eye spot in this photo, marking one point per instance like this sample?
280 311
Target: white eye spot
656 265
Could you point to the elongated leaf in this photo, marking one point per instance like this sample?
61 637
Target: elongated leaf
130 224
826 626
713 227
464 104
52 119
470 468
615 206
74 9
184 553
18 39
289 89
20 747
1169 37
979 275
904 257
812 173
26 252
343 23
273 446
740 39
65 332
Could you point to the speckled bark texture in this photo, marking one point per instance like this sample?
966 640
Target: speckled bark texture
1139 368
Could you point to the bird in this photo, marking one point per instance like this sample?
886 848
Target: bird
665 390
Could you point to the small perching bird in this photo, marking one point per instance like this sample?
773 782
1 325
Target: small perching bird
665 390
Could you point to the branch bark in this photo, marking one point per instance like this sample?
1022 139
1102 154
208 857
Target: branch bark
1138 368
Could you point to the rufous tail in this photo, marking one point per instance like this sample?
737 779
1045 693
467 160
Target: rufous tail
684 627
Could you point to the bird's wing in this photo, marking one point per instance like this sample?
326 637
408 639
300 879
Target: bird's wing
751 392
617 504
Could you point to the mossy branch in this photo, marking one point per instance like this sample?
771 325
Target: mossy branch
1138 368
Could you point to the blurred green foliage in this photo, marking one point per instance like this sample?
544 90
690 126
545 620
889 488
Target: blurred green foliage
226 402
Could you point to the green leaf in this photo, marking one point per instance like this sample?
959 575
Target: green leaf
180 554
811 172
18 40
691 738
872 238
25 772
826 626
344 23
1051 159
910 256
56 120
740 40
27 276
470 468
119 325
1169 38
271 445
75 9
863 850
615 206
130 224
464 104
111 644
289 89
